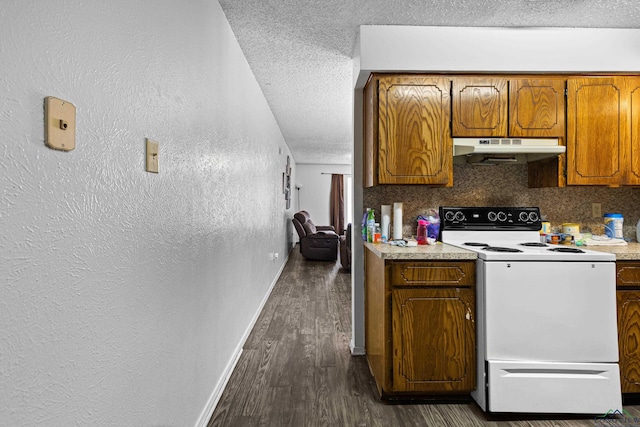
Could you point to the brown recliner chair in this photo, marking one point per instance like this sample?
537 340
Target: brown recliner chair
345 249
318 243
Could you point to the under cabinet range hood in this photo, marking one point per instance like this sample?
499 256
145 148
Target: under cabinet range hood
504 150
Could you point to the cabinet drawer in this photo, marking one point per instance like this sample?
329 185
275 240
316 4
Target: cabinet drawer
628 274
451 274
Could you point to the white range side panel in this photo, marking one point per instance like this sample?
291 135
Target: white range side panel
125 295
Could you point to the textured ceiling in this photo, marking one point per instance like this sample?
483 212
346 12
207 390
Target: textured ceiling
300 51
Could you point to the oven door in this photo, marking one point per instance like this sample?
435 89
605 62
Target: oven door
550 311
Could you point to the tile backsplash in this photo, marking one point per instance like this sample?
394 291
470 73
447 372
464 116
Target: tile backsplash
506 185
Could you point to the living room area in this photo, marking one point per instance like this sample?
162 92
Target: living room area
324 191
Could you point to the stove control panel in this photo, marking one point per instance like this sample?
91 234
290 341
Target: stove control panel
490 218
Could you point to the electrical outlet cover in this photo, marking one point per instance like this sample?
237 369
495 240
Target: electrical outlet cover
59 124
152 156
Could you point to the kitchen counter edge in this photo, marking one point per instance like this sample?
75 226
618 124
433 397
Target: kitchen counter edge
439 251
629 252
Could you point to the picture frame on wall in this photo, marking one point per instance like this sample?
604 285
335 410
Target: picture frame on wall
286 183
287 194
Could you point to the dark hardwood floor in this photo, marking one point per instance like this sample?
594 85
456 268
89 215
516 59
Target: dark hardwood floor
296 368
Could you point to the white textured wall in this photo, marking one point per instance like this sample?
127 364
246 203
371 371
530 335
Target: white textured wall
315 195
124 294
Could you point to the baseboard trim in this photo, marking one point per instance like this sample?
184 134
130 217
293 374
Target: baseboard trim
358 351
210 407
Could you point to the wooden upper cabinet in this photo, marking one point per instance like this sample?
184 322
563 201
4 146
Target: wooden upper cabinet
597 131
537 107
415 146
633 89
370 134
509 107
479 107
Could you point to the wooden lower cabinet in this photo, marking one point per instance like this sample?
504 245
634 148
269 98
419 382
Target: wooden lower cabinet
420 326
628 302
433 339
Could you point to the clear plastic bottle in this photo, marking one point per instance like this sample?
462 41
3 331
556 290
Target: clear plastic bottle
421 234
365 217
377 235
371 225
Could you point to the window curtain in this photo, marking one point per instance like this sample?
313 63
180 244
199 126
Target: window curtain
336 209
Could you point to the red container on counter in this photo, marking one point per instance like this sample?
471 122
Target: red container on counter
421 234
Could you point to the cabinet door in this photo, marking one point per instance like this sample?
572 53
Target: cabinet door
415 144
536 107
597 131
479 107
629 339
633 89
433 340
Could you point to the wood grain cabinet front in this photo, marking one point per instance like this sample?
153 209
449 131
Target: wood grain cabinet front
603 122
433 340
509 107
537 107
480 107
407 138
420 326
628 305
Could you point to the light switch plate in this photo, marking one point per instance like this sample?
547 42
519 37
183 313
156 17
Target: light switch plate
152 156
59 124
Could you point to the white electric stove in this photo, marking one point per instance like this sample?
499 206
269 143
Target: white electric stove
546 315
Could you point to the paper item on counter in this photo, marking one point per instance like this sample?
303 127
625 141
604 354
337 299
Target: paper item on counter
386 222
397 221
604 241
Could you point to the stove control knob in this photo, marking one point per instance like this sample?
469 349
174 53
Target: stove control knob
523 217
459 216
450 215
533 217
502 216
492 216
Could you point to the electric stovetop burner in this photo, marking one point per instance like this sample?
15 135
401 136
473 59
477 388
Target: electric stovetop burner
500 249
534 244
475 244
567 250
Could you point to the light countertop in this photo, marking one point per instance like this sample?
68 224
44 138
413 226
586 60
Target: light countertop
630 252
442 251
439 251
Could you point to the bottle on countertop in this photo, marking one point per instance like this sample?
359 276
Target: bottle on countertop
613 223
421 234
371 225
638 231
377 234
364 224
